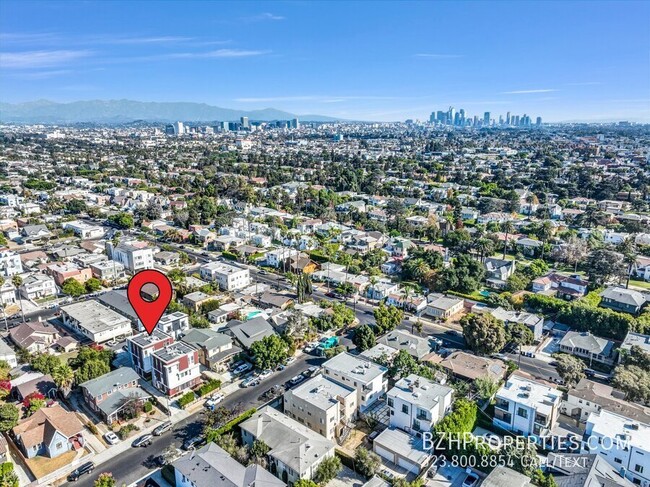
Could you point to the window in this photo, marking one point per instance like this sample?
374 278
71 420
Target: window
618 460
638 468
390 402
405 408
522 413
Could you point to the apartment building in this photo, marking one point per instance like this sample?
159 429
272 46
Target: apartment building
174 324
36 286
107 270
322 405
142 346
175 368
61 272
84 230
623 442
526 407
95 321
10 263
229 277
368 378
134 256
417 404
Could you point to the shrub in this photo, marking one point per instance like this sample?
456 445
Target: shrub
126 430
92 428
208 387
186 399
212 434
148 407
229 255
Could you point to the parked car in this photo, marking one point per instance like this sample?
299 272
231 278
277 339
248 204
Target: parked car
251 381
212 402
234 365
311 371
142 442
111 438
265 374
192 443
294 381
245 367
86 468
289 360
493 440
162 428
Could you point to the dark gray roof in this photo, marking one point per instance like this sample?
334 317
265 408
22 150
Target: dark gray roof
403 340
625 296
251 331
108 382
118 301
206 338
212 466
119 399
584 470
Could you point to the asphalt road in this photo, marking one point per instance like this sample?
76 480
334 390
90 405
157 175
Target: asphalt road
135 463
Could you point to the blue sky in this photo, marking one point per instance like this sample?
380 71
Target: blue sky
358 60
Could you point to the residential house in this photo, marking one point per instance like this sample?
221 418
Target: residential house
498 271
634 339
109 394
84 230
416 346
503 476
35 233
295 451
323 406
196 299
526 407
229 277
533 322
176 368
10 263
8 354
49 432
204 466
590 397
174 324
402 450
381 289
141 347
590 347
444 307
37 286
167 258
36 383
363 375
108 270
95 321
7 294
134 256
623 300
61 272
565 287
470 367
528 246
416 404
215 349
622 442
34 337
251 331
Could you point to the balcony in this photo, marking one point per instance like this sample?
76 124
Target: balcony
541 420
422 416
503 416
501 404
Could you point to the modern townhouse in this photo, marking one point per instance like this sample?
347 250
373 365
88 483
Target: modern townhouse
176 368
141 347
174 324
295 451
416 404
229 277
322 405
134 256
622 442
526 407
363 375
36 286
10 263
84 230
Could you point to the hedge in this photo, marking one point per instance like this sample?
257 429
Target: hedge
466 296
186 399
226 428
317 256
229 255
583 317
208 387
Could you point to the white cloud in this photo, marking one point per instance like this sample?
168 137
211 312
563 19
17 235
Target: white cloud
526 92
219 53
438 56
265 16
40 59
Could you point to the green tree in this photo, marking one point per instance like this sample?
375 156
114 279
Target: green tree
93 285
73 288
521 455
258 452
269 352
520 334
483 333
486 387
9 414
45 363
122 220
305 483
634 381
63 376
604 265
364 337
328 469
571 369
367 463
8 477
404 364
34 405
387 317
105 479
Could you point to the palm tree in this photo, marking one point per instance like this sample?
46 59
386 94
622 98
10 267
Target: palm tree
63 377
373 280
508 228
628 249
545 233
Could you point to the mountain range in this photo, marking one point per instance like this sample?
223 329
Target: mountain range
124 111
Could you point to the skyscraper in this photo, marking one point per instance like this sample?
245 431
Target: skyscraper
179 128
486 119
432 117
245 124
538 122
451 113
508 118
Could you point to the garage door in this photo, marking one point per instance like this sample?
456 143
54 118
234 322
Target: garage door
382 452
411 467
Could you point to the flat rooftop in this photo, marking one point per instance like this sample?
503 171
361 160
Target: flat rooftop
530 393
321 392
94 316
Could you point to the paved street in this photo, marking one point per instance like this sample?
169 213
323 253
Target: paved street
135 463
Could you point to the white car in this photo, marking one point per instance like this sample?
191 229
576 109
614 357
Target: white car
214 400
251 381
265 374
290 360
111 438
245 367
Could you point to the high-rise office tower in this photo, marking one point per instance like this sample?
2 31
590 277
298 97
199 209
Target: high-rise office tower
432 117
451 113
179 128
486 119
245 124
538 122
461 117
440 116
500 119
516 122
508 118
295 123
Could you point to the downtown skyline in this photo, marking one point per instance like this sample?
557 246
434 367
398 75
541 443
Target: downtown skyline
568 62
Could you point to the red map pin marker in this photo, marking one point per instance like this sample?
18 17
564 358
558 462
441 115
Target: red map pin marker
149 312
